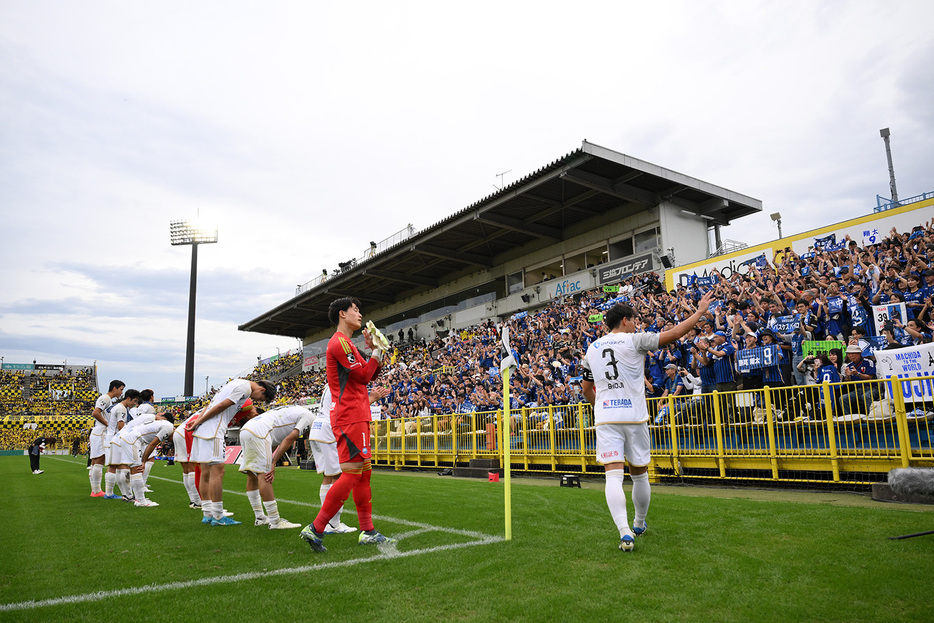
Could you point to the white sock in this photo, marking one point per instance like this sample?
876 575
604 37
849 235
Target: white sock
146 471
218 509
641 496
616 501
336 519
123 481
189 481
207 508
95 476
136 481
109 480
272 511
255 503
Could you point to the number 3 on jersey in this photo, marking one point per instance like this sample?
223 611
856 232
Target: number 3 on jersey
612 363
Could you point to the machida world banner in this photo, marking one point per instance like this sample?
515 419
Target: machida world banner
915 364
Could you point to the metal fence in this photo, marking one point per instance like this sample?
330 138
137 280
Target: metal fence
832 433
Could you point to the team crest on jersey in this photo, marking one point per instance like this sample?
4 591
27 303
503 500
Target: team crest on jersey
350 358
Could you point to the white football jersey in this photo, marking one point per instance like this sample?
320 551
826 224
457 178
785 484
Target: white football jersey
279 422
238 391
103 403
143 414
116 413
145 433
321 428
615 364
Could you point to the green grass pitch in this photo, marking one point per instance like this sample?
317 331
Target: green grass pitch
709 555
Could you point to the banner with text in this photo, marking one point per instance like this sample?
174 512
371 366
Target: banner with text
913 363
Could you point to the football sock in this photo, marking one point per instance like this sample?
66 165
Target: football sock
616 500
255 503
136 481
95 476
335 498
146 470
272 511
363 499
336 519
641 496
218 509
123 481
109 480
189 481
207 508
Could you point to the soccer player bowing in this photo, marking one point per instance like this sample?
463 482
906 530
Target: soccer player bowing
279 427
613 371
208 430
128 453
348 374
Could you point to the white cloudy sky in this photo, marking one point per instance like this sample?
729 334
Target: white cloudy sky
305 130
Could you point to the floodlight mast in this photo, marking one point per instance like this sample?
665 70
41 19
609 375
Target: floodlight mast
187 232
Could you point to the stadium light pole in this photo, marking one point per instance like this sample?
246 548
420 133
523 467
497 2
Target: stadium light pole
188 232
884 133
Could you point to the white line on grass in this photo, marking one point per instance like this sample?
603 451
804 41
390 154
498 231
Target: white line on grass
385 553
155 588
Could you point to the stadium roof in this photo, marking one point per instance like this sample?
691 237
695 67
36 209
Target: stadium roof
588 182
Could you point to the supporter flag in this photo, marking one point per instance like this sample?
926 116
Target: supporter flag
876 342
870 236
916 234
822 243
787 324
835 305
761 262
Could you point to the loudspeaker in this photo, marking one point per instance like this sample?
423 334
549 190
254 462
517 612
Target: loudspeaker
666 261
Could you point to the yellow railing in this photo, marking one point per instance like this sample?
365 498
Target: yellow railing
841 432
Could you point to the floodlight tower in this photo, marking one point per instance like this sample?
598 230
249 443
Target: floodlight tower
188 232
884 133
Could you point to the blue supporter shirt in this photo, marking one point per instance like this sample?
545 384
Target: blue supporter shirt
723 366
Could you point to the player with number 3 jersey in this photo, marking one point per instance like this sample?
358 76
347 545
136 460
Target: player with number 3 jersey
614 383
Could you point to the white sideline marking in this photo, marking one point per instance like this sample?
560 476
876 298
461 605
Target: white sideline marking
385 553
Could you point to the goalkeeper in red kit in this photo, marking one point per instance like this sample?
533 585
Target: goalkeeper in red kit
348 373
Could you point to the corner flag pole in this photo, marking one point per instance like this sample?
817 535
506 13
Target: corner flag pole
505 435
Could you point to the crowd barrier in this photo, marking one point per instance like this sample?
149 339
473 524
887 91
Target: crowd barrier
849 432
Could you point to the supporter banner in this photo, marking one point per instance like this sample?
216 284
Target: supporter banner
705 282
595 318
876 343
46 366
520 315
749 359
871 236
624 268
912 363
787 324
18 366
883 313
812 347
611 289
835 305
309 362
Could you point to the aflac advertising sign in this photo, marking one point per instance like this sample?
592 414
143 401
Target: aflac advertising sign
572 284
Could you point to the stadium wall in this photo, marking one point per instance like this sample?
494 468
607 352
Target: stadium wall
903 219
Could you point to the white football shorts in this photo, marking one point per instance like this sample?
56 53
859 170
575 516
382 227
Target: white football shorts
96 445
616 442
257 453
178 439
325 455
207 450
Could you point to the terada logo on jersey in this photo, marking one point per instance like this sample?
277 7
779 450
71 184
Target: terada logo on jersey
618 403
